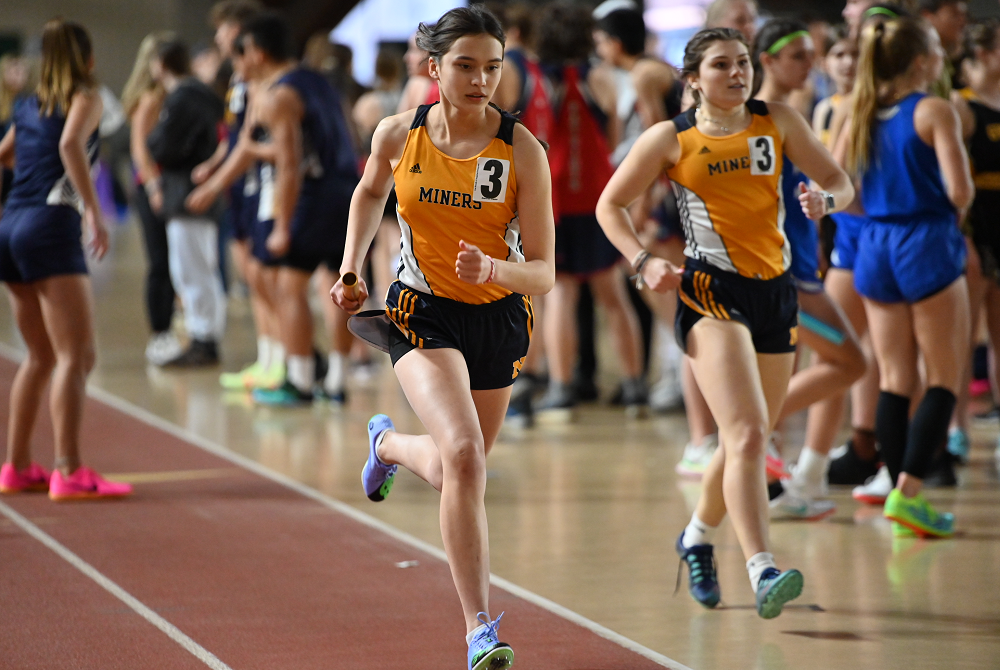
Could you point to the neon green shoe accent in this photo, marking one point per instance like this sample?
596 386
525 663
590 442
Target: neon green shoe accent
899 530
238 381
918 515
387 486
271 378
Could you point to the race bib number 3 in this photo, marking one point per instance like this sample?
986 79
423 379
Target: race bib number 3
491 180
762 157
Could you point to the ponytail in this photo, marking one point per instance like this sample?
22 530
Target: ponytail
887 49
66 53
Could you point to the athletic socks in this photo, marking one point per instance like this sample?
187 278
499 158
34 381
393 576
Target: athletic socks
302 372
756 566
811 468
697 532
929 431
264 352
476 631
892 421
334 382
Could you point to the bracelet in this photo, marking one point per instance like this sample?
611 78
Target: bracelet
639 260
493 271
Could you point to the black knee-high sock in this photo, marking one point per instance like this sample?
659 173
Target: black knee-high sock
929 430
892 419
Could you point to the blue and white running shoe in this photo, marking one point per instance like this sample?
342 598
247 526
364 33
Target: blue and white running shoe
775 589
376 476
486 652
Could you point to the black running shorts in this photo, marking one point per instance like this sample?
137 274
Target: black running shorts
767 307
493 337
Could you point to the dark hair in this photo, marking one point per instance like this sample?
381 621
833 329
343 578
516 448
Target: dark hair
628 27
980 35
234 11
934 6
389 65
769 35
437 39
271 34
566 33
835 34
694 52
174 57
884 11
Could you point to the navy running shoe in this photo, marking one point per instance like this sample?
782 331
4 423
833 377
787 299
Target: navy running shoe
775 589
703 583
486 651
376 476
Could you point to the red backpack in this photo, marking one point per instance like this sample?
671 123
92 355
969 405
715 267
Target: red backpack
537 114
578 153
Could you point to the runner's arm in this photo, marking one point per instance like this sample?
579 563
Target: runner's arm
654 151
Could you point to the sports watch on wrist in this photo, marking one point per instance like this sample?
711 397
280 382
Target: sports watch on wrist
828 200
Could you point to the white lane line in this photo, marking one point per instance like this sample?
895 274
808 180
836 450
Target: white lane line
190 437
149 615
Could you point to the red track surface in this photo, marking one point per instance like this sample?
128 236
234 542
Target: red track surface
254 572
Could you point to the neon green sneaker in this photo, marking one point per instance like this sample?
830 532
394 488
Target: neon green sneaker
271 378
240 381
899 530
917 514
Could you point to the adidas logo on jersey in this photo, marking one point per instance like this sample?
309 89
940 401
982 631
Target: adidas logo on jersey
705 150
416 169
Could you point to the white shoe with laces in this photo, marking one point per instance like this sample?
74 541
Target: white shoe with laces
791 505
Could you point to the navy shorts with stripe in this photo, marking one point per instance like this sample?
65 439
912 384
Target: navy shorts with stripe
767 307
492 337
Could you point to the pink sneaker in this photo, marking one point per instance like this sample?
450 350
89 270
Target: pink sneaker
32 478
85 484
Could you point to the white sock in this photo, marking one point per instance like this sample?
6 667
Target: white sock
334 382
264 351
378 443
697 532
756 566
302 372
811 467
471 636
278 353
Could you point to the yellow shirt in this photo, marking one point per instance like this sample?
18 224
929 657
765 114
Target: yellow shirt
729 195
443 200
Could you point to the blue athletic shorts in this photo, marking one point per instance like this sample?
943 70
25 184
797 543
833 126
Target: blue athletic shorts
582 248
803 237
40 242
908 262
845 239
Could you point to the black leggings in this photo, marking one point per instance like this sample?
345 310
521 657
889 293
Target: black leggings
159 289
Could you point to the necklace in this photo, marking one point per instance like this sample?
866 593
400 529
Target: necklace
711 120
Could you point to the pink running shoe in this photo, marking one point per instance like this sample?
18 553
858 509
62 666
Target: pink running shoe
85 484
32 478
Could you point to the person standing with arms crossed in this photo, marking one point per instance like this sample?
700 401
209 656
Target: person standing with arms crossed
475 209
737 317
50 146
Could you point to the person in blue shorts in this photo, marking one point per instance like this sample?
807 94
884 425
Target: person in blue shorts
50 147
906 148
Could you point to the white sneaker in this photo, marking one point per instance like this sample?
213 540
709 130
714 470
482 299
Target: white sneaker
809 489
790 505
697 457
666 396
876 489
163 347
